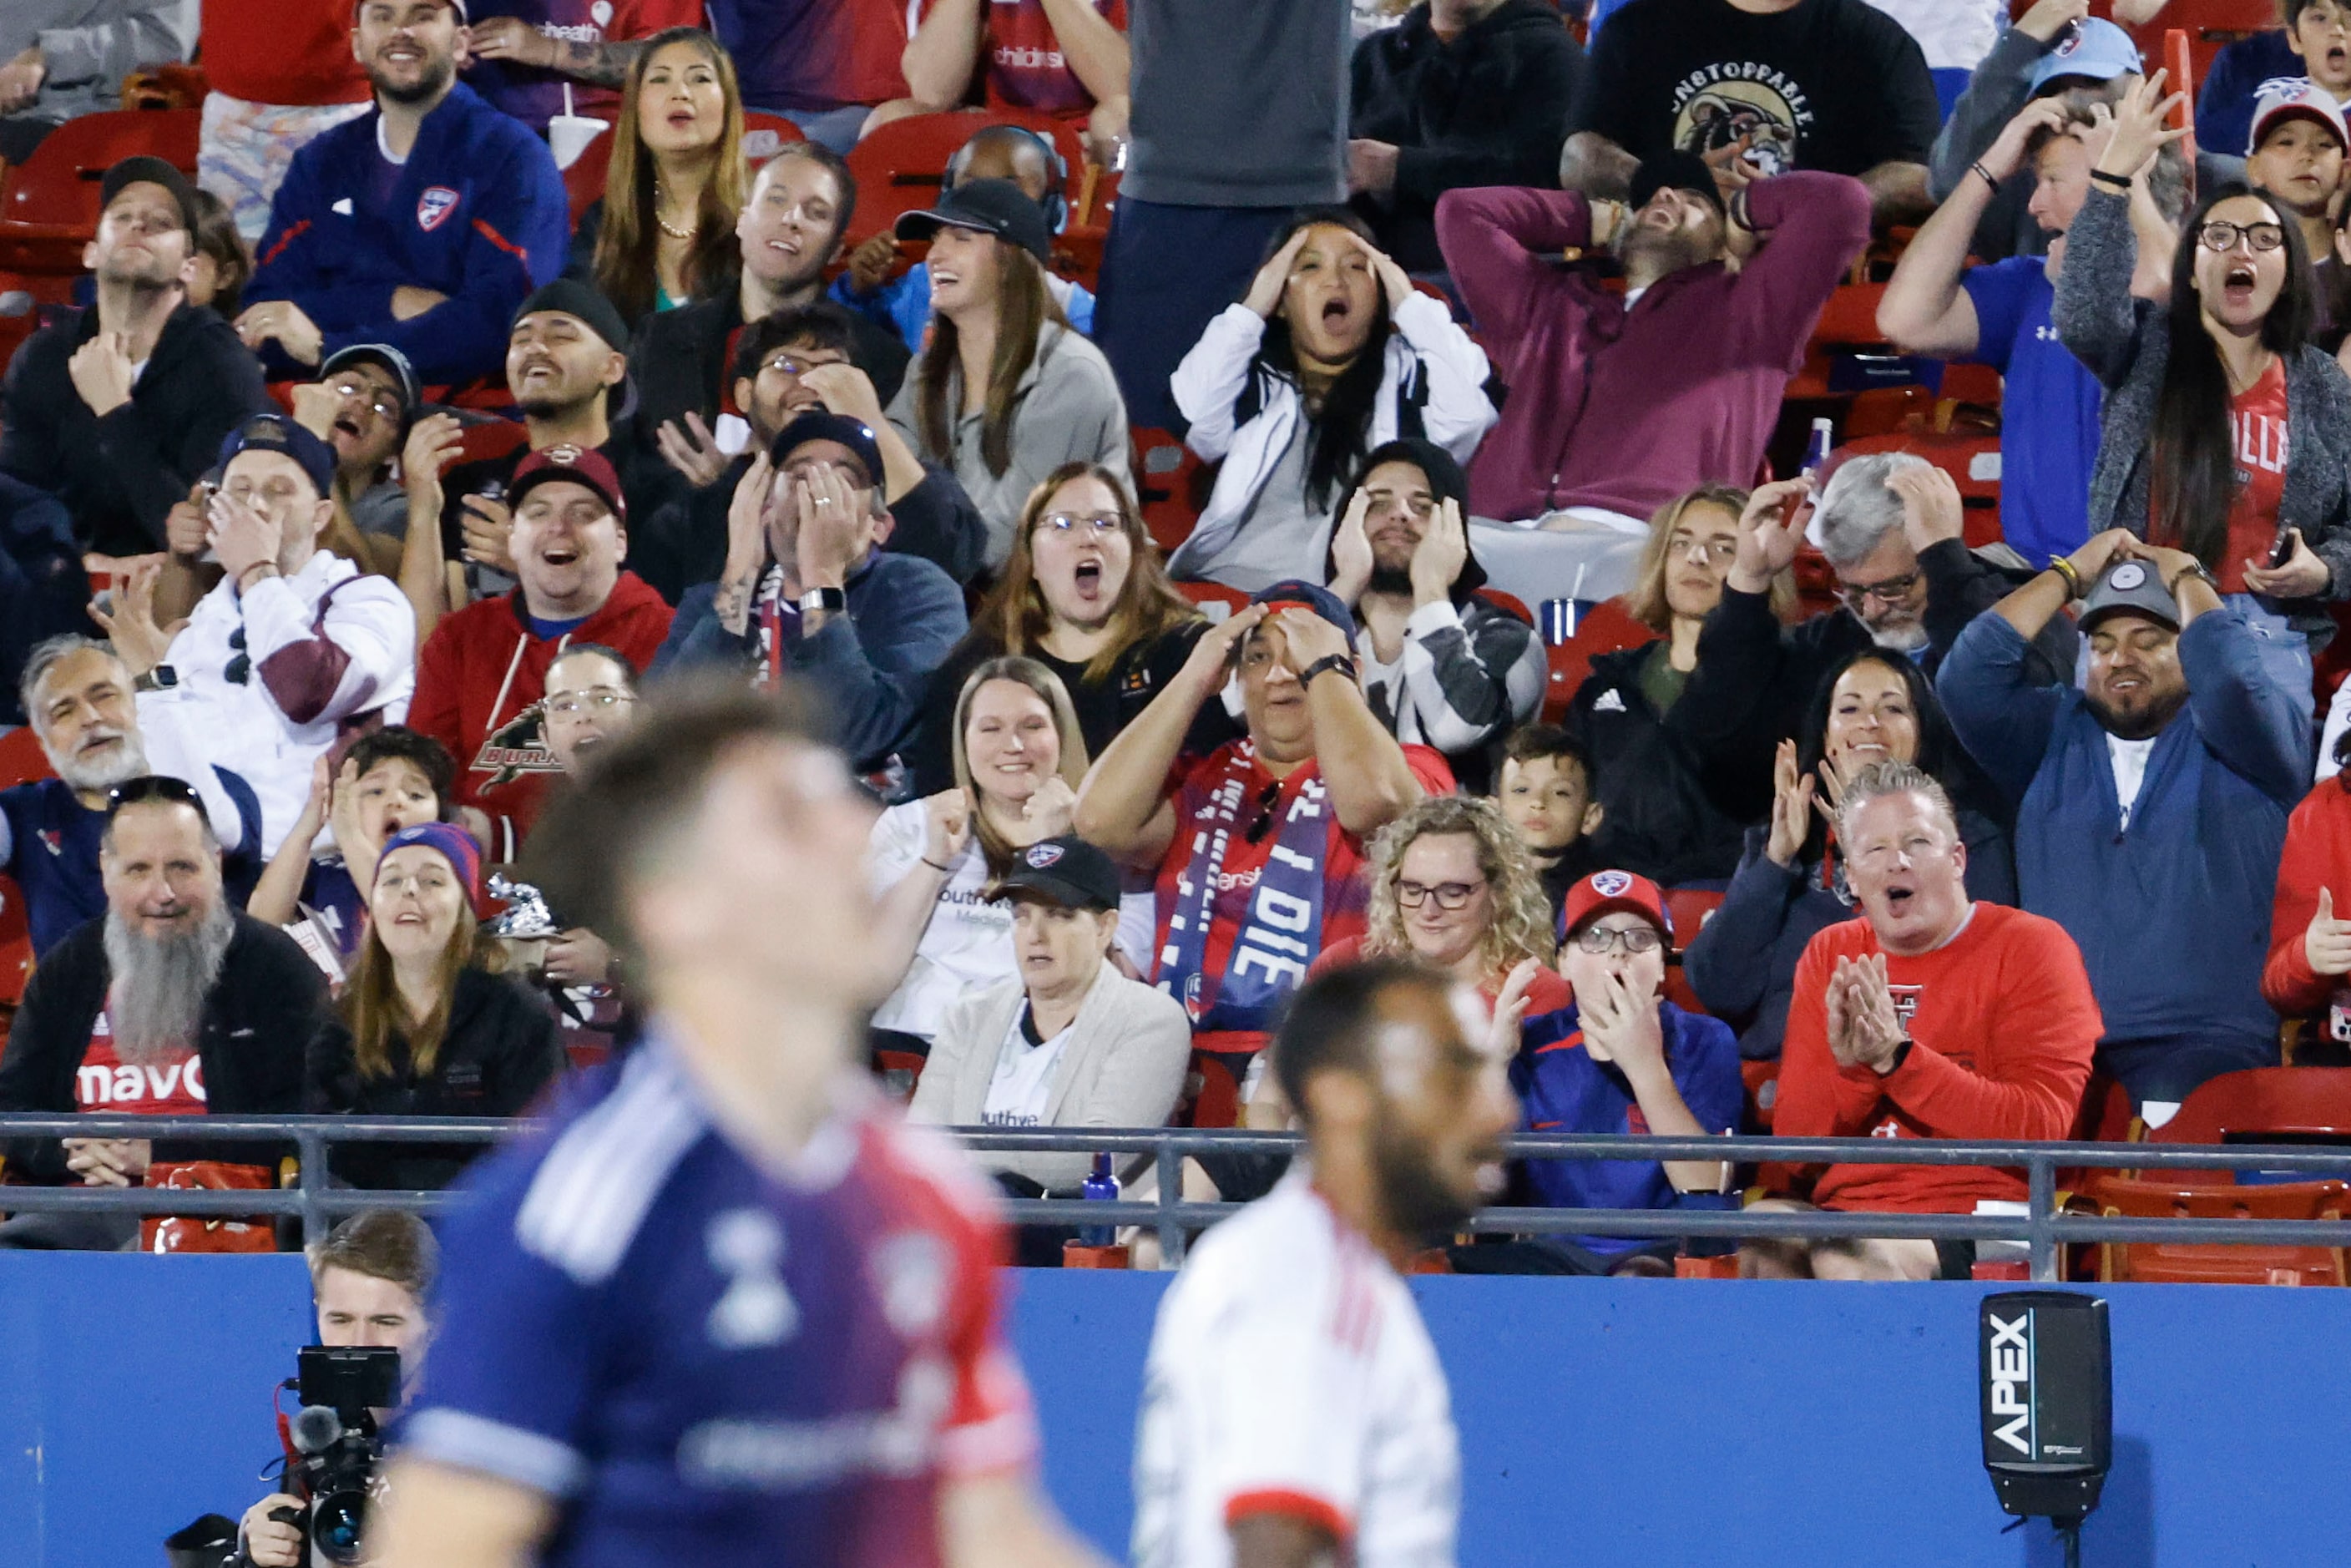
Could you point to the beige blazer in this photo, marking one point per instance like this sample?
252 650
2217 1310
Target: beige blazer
1123 1067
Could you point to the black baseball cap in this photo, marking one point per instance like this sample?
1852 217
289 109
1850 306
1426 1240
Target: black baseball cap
391 360
995 207
144 169
822 424
581 301
1675 171
276 432
1066 871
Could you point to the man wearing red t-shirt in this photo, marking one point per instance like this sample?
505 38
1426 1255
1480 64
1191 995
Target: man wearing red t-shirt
1259 845
1929 1017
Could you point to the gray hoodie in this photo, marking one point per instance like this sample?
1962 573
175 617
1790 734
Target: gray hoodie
89 45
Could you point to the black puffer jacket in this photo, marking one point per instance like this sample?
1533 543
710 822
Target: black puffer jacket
502 1049
1657 818
1491 107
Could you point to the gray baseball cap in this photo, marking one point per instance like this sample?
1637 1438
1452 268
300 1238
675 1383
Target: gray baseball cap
2132 587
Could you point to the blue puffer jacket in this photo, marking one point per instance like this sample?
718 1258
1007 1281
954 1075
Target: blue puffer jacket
476 214
2172 914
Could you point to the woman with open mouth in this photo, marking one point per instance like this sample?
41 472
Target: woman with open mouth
1084 595
1332 352
1875 707
664 231
2227 432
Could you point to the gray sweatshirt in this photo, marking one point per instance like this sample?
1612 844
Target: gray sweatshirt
89 45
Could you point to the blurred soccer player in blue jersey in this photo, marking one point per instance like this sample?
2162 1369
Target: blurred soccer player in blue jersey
723 1309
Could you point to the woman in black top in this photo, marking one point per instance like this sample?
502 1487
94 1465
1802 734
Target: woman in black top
1083 593
424 1031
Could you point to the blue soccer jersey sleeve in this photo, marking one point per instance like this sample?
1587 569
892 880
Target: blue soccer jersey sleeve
1999 293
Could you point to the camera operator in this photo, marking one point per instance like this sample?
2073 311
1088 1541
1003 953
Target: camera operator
369 1281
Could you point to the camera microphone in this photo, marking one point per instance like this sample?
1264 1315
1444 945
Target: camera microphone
316 1428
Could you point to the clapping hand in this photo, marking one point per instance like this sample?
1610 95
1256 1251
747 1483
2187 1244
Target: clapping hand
1792 808
1863 1029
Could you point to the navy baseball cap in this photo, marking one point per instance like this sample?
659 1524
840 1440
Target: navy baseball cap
996 207
1315 597
822 425
143 169
278 433
1066 871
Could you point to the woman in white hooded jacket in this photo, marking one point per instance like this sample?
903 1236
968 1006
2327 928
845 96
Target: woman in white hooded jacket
1332 353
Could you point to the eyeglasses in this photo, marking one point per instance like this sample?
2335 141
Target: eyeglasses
1266 799
1449 895
798 365
1635 940
599 699
2216 236
154 787
1893 590
380 402
1102 525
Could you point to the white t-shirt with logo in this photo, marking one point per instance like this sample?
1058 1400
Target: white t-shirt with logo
1290 1373
968 945
1023 1084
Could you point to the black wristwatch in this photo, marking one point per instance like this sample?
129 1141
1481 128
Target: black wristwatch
1328 662
162 678
831 601
1901 1055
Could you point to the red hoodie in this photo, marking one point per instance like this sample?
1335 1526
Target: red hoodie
2317 854
483 667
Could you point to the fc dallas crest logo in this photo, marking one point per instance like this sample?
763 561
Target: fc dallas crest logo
433 208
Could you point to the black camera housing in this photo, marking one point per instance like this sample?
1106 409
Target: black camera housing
335 1443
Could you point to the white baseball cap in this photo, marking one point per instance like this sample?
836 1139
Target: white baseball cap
2287 98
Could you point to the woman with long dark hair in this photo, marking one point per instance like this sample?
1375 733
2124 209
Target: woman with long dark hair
1084 595
1876 706
664 231
1006 392
426 1028
2227 432
1332 353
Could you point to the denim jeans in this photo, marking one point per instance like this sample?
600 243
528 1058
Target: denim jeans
2284 651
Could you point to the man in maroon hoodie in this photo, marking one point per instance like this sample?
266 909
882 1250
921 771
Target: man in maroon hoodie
1621 402
483 671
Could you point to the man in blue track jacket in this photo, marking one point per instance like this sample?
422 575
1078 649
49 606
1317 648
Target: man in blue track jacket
2151 803
422 225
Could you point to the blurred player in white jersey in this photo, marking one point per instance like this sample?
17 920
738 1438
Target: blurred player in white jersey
724 1310
1294 1413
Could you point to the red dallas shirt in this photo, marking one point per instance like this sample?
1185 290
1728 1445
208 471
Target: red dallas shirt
2002 1024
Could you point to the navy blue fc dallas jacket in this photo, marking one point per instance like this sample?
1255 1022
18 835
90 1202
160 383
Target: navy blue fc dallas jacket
478 214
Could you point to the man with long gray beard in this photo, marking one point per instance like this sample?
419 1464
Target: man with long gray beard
170 1004
78 695
1891 527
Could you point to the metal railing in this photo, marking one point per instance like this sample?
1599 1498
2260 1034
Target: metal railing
2042 1227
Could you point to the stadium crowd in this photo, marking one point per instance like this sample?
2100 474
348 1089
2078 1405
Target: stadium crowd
372 481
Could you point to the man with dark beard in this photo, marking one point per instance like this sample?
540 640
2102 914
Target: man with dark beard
1621 402
78 695
420 225
2151 804
170 1004
1293 1409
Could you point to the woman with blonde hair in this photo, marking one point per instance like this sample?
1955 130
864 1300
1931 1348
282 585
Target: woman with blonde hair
1006 392
427 1029
664 231
1083 595
1656 819
1018 759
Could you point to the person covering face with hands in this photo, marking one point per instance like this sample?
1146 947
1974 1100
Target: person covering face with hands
1926 1017
1329 356
2151 804
1265 829
1443 667
807 591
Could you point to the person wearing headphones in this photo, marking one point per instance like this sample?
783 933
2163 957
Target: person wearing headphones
1011 153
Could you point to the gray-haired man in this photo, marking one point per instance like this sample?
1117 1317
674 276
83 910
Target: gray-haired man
1889 524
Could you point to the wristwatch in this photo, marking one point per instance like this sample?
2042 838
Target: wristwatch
2193 568
832 600
162 678
1328 662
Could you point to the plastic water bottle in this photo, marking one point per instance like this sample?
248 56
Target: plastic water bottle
1816 451
1100 1188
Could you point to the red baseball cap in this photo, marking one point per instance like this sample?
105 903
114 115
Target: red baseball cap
1605 891
581 465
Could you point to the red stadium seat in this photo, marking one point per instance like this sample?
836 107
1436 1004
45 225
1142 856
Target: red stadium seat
1213 1093
2298 1101
1509 602
48 203
1171 486
765 134
2159 1262
1687 907
1601 628
1971 461
1210 595
489 439
16 948
22 760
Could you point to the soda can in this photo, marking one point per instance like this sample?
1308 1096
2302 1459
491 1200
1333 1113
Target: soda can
1556 618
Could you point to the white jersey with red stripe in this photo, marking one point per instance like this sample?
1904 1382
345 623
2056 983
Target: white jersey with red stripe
1290 1373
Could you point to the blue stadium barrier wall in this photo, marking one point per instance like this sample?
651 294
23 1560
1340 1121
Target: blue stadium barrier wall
1624 1422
